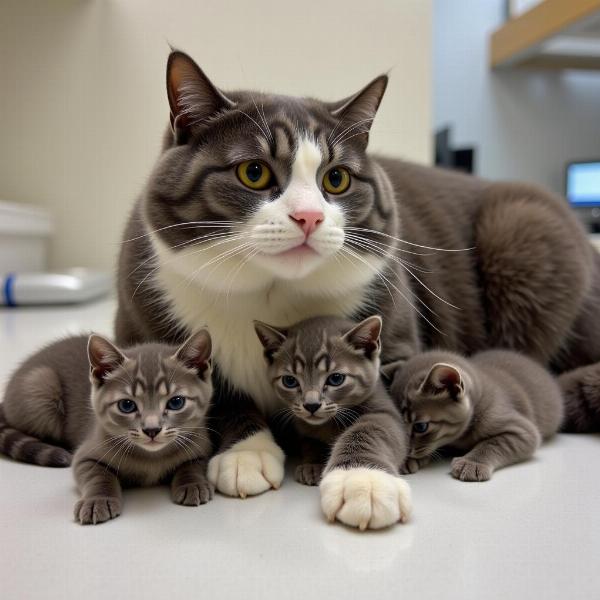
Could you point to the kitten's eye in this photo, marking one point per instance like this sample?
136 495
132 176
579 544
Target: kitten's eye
176 403
254 174
289 381
420 427
336 379
126 406
336 180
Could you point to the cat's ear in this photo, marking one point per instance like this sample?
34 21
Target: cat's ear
444 377
104 358
270 337
358 111
192 96
366 336
195 353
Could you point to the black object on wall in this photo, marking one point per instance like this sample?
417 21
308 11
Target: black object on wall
461 159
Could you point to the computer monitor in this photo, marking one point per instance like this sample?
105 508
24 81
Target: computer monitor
582 185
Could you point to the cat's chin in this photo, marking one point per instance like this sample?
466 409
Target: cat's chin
295 263
153 446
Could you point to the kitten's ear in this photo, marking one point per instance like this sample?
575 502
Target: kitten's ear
270 337
104 358
195 353
444 377
192 96
365 336
358 111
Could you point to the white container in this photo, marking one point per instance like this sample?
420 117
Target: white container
24 235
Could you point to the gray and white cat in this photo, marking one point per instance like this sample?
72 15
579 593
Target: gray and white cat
133 417
325 373
496 406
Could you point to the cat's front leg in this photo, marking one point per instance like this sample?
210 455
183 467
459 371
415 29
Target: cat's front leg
361 486
100 492
250 462
517 442
190 485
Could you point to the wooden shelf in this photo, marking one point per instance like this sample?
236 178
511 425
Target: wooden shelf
557 34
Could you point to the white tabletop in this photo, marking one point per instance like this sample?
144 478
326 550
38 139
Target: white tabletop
531 532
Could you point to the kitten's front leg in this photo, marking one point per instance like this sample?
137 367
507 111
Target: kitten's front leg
360 485
313 457
100 492
249 461
190 486
518 442
412 465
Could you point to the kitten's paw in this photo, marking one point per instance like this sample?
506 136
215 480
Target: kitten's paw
249 467
92 511
468 470
309 474
412 465
365 498
193 494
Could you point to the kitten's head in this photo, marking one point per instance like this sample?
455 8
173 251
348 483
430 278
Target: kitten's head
322 367
264 187
153 395
436 405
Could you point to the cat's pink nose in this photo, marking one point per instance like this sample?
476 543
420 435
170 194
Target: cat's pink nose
308 220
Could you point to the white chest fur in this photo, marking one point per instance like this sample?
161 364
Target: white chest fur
237 351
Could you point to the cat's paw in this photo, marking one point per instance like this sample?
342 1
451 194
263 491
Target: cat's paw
96 510
412 465
193 494
468 470
249 467
309 473
365 498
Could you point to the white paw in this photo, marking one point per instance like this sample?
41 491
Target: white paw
249 467
365 498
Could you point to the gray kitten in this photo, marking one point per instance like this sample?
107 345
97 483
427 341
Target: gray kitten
325 372
145 423
497 406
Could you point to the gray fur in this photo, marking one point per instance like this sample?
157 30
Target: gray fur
497 406
356 423
59 402
530 283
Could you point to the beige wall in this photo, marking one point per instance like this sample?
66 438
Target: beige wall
83 107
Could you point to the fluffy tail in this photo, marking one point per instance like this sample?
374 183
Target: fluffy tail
581 392
25 448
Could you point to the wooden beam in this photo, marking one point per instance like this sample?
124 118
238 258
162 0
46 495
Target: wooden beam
519 38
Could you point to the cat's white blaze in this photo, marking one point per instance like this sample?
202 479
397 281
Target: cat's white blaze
228 293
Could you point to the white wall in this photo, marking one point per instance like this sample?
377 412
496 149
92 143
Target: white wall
83 105
526 125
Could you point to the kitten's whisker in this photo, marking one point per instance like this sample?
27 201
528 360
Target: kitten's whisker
195 223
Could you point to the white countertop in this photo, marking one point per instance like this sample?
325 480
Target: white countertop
533 531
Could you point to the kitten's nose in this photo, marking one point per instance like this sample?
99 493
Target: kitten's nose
308 220
152 432
312 407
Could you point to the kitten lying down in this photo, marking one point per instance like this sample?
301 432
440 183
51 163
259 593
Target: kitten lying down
145 423
497 406
325 372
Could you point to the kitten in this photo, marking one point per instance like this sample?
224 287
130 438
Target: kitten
497 406
145 423
325 372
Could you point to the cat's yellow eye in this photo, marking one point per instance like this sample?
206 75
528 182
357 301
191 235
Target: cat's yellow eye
336 180
254 174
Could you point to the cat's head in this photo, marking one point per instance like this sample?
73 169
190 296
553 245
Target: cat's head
436 406
322 367
252 188
152 395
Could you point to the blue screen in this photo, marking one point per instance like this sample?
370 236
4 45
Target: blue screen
583 184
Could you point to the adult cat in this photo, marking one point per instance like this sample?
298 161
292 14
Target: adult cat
267 207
